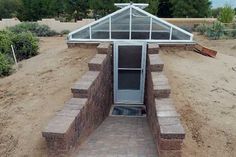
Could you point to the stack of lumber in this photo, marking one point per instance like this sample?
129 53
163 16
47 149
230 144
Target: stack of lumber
205 51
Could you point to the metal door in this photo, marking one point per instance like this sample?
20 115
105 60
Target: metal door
129 72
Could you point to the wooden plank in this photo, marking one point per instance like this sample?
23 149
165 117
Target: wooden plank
205 51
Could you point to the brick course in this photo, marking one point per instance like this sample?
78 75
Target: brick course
90 105
162 117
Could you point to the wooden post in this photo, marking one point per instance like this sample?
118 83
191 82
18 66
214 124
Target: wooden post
14 56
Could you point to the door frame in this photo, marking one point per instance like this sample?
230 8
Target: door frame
143 70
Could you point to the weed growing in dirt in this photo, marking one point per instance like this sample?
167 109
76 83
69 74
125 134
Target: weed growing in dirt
5 65
34 28
25 46
216 31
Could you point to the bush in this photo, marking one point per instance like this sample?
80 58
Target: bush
35 28
5 65
26 45
216 31
202 28
226 14
233 33
5 41
64 32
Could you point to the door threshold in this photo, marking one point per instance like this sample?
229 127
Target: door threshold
128 111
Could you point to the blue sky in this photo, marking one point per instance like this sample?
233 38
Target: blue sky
220 3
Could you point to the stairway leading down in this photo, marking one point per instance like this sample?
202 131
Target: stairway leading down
119 137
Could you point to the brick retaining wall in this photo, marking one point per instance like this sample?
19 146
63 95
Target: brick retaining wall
162 117
90 105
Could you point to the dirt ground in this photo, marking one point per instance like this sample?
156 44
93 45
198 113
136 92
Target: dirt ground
203 88
32 95
204 91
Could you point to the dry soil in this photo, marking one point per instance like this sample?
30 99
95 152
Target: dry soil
32 95
204 91
203 88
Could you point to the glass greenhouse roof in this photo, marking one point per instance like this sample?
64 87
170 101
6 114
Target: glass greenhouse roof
131 23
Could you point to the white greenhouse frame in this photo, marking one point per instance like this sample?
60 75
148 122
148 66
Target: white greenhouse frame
150 40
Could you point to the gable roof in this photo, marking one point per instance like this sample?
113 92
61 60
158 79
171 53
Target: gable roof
131 23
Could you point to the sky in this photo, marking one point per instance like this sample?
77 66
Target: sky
220 3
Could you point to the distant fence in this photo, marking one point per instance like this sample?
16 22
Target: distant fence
52 23
71 26
189 22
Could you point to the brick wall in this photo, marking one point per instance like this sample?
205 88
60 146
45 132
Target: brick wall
90 105
162 117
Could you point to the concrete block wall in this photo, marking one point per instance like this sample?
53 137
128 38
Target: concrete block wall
90 105
52 23
162 117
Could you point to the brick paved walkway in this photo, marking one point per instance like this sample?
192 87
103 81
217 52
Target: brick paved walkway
120 137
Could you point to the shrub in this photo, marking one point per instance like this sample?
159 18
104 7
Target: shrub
5 41
5 65
26 45
35 28
202 28
64 32
216 31
226 14
234 33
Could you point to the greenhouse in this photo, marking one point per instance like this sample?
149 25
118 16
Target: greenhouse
130 22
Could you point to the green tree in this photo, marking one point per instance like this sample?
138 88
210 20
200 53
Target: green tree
58 7
215 12
153 6
101 7
77 9
8 8
33 10
190 8
226 14
165 9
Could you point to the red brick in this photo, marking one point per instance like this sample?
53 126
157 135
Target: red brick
171 144
153 48
80 89
103 48
96 63
156 63
170 153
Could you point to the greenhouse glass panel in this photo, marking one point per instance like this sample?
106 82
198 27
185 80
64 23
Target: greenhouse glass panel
178 35
83 34
100 30
140 25
160 31
120 24
130 23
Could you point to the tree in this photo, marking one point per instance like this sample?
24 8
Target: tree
190 8
58 7
153 6
101 8
8 8
77 9
226 14
215 12
165 9
33 10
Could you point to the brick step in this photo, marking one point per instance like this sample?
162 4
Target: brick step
160 85
153 48
169 122
156 63
62 131
104 48
96 63
82 87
